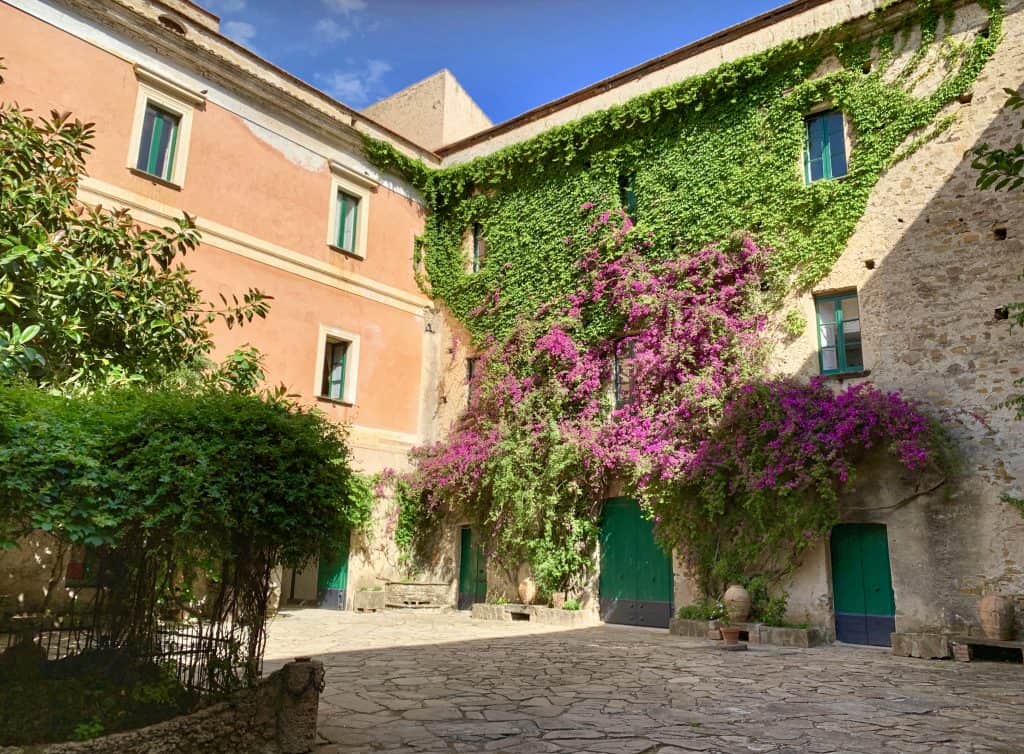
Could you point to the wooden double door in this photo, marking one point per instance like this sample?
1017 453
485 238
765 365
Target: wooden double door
636 574
865 608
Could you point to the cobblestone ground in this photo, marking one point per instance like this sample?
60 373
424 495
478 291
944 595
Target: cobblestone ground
401 682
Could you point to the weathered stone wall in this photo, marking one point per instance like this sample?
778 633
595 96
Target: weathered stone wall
26 573
277 717
932 259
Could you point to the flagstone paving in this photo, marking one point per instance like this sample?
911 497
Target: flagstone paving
405 682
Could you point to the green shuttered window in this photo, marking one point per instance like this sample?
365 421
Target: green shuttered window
824 146
335 361
839 347
479 248
348 217
622 375
159 142
470 374
627 193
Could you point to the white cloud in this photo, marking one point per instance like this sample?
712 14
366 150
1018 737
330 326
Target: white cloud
329 30
359 87
345 6
240 31
226 6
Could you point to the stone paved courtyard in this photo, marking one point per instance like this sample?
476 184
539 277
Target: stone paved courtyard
402 682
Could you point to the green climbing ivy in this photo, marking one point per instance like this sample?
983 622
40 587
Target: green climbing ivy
704 159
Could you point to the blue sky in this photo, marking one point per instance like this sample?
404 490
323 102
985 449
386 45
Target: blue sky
510 55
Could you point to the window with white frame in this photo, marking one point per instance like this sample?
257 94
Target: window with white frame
349 211
161 131
338 360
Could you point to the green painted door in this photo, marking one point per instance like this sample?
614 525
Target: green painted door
472 570
332 575
862 584
636 574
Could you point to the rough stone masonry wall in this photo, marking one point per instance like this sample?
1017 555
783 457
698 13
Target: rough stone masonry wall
930 273
930 269
278 717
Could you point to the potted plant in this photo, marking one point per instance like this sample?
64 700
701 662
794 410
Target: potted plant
730 633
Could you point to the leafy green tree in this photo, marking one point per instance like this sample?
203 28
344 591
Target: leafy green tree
87 297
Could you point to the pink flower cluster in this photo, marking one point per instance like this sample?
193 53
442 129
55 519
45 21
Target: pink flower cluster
683 340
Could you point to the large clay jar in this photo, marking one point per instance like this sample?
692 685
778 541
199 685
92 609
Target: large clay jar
527 585
737 603
996 614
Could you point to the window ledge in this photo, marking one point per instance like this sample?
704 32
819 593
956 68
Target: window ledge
154 178
841 376
334 401
346 252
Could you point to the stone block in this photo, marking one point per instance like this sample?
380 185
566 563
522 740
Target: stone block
697 629
484 611
368 600
924 645
782 636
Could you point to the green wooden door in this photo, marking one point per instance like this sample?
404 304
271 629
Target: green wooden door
332 575
636 574
862 584
472 570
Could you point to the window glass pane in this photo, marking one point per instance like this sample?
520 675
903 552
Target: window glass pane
851 308
623 374
348 213
829 362
815 149
827 333
826 310
836 143
334 370
158 141
854 355
146 139
479 248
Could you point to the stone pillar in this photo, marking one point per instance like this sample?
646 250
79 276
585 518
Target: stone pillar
298 702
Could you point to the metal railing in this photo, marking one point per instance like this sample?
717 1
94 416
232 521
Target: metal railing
206 657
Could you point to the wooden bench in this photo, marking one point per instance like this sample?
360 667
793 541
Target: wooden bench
964 647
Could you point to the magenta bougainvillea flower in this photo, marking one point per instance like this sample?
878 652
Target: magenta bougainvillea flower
650 372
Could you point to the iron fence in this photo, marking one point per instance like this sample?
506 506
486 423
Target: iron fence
206 657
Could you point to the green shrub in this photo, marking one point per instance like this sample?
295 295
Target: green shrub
571 605
703 610
173 488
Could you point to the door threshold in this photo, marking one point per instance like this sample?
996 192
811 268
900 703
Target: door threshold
851 645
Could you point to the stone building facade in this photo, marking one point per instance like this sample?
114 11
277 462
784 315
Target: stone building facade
931 262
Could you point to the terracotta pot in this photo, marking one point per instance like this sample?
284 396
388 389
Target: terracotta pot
996 613
558 600
737 603
731 634
527 585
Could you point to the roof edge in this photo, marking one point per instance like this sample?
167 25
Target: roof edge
717 39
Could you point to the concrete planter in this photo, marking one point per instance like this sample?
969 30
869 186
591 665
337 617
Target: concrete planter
548 616
757 633
368 600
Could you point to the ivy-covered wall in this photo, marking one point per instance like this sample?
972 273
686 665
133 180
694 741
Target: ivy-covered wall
727 160
707 158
